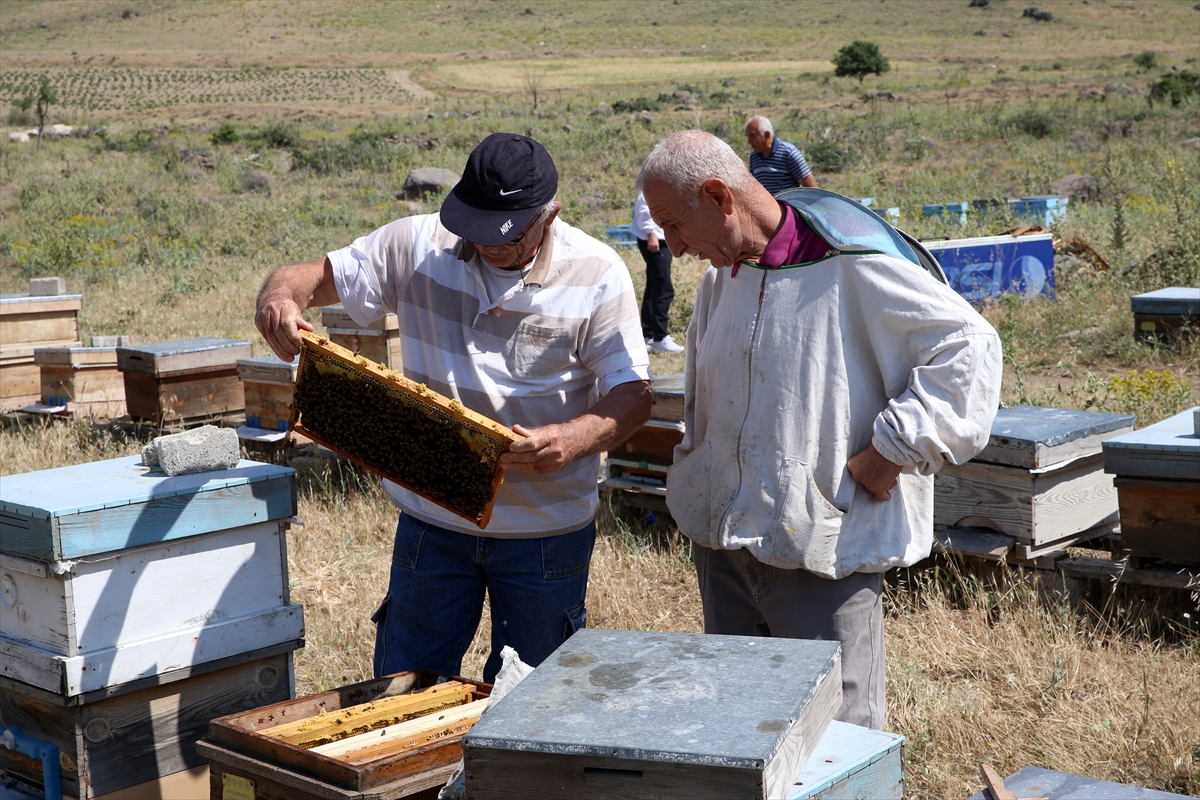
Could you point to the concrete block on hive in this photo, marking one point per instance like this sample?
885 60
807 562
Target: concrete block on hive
202 449
47 287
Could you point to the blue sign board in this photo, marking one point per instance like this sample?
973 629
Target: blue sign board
983 269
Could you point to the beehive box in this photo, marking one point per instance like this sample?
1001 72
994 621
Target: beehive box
666 393
379 341
614 714
654 443
183 380
28 322
111 572
1045 783
144 732
272 746
399 429
852 762
81 381
1040 479
268 384
1158 486
1166 314
982 269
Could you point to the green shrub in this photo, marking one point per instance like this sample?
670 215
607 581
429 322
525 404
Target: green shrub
335 157
277 135
828 155
1175 86
1146 60
226 134
1034 122
640 104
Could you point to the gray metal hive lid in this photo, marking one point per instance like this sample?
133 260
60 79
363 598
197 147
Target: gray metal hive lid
1173 300
668 385
726 701
1028 435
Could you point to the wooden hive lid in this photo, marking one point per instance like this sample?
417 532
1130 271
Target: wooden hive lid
75 357
183 355
681 698
1035 437
667 385
1171 301
268 369
102 506
337 318
399 429
24 303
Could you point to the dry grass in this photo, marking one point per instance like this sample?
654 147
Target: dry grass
989 672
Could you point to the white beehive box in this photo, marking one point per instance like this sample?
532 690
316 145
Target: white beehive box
111 572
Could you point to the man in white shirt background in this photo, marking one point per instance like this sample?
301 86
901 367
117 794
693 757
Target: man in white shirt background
656 300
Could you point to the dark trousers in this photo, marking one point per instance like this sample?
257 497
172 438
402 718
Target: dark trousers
536 588
656 301
744 597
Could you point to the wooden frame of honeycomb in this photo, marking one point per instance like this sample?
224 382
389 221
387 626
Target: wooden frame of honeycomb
399 429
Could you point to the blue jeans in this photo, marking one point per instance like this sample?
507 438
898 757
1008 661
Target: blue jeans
434 602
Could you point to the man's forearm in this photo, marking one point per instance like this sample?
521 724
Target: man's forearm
306 284
615 418
608 423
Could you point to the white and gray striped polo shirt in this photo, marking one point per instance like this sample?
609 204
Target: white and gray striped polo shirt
539 355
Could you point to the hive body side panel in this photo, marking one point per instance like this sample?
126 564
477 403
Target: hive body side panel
164 519
969 492
1073 500
35 610
154 590
516 775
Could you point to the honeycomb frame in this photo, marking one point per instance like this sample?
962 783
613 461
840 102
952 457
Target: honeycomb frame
399 429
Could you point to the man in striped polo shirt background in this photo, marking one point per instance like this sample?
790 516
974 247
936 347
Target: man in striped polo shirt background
777 165
530 322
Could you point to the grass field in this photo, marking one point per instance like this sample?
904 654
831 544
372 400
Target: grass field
168 235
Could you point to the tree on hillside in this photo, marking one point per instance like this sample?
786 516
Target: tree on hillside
41 101
860 59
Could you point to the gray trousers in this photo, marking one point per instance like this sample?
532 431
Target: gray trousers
744 597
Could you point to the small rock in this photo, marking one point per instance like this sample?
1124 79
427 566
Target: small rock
62 131
978 4
426 180
683 108
1081 186
255 180
408 208
1093 94
567 129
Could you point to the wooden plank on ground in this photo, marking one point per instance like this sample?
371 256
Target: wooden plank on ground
1120 571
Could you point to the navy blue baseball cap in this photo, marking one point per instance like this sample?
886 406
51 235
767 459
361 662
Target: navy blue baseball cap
507 180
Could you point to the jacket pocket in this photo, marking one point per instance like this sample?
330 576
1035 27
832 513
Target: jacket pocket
538 351
689 495
806 526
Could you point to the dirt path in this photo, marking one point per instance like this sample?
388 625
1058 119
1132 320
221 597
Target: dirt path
401 76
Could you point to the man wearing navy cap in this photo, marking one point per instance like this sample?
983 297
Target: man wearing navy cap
530 322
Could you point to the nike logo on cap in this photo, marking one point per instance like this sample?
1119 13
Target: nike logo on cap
506 194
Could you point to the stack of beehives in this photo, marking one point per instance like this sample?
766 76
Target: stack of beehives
45 316
134 609
637 468
1036 488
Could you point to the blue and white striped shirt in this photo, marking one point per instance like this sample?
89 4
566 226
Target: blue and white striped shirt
783 169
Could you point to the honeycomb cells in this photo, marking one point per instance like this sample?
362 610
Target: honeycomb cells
411 442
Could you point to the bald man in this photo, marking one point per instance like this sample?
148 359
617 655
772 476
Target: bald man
828 376
777 165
